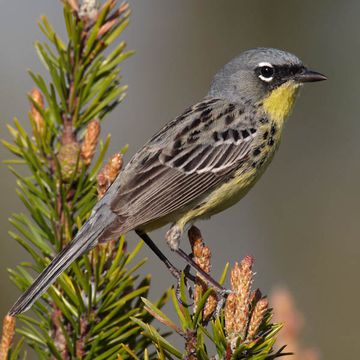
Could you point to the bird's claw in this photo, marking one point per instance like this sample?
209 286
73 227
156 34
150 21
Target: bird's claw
221 293
221 296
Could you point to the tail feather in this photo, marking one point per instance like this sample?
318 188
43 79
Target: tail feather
87 237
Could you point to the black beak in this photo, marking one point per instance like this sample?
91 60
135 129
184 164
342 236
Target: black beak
309 76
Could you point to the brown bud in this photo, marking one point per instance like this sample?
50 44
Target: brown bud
210 306
287 313
202 253
105 178
241 276
202 256
70 160
39 123
8 331
88 146
229 314
108 174
237 307
257 318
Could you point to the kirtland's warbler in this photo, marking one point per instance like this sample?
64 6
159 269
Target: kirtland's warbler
197 165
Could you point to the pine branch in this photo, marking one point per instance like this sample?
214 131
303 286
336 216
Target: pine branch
86 314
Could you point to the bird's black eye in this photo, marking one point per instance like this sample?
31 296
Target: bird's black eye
266 72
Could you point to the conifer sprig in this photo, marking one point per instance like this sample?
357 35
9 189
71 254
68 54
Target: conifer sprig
241 329
86 314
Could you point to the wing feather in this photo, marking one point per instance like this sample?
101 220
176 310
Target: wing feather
194 154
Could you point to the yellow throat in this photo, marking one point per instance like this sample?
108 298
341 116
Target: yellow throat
279 103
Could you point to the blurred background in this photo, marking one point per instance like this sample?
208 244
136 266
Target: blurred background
301 220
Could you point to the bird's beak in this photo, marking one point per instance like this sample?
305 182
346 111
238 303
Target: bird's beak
309 76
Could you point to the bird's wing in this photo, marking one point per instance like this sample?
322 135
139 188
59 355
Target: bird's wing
191 155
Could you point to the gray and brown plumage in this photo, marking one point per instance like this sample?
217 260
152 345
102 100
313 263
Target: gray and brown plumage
200 163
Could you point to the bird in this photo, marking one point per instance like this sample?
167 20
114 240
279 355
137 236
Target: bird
199 164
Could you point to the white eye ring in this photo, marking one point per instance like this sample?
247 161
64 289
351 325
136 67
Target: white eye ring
265 65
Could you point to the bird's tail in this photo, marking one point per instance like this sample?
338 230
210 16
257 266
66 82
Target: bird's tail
87 237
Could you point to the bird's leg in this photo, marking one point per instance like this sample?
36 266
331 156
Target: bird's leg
188 275
173 270
204 275
173 239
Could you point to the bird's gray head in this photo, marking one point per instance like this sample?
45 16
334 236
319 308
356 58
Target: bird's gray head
256 72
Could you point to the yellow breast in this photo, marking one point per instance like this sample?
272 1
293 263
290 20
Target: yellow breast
279 103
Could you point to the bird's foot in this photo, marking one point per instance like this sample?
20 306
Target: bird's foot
221 298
